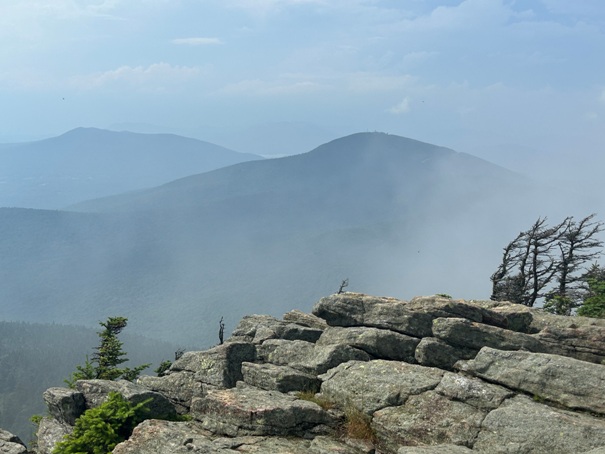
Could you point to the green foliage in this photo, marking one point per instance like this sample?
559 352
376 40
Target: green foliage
100 429
559 305
108 356
36 419
163 367
444 295
594 304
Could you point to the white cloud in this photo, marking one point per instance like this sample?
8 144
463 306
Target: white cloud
401 108
157 76
369 82
602 97
198 41
257 87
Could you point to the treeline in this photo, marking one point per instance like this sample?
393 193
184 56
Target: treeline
34 357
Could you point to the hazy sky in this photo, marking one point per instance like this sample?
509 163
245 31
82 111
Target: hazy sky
488 77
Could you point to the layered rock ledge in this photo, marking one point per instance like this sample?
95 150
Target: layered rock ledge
430 375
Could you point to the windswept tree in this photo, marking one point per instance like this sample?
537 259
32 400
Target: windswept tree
528 265
578 246
542 256
108 356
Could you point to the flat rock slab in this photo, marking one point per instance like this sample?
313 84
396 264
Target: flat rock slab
465 333
306 356
436 449
413 318
179 387
379 343
356 309
161 437
279 378
259 328
373 385
581 342
521 425
433 352
304 319
219 366
473 391
427 419
549 377
246 410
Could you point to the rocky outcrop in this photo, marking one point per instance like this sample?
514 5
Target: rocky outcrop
365 374
11 444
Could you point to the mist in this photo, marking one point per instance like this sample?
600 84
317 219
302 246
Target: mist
395 216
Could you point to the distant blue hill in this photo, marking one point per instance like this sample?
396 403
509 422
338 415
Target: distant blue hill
88 163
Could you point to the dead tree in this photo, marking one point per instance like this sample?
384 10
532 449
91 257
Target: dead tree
343 284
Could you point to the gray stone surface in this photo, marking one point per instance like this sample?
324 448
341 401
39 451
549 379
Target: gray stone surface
473 391
279 378
258 328
379 343
163 437
11 444
570 382
308 357
586 343
433 352
219 366
97 391
370 386
523 426
465 333
50 431
64 404
246 410
304 319
435 449
427 419
178 387
356 309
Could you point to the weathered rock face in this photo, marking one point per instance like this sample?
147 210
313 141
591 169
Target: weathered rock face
378 343
65 405
566 381
430 375
522 425
246 410
278 378
377 384
11 444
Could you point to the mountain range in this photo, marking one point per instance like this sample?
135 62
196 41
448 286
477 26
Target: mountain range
87 163
390 214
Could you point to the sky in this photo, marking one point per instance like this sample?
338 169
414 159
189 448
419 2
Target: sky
518 82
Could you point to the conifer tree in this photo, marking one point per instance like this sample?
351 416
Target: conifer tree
108 356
